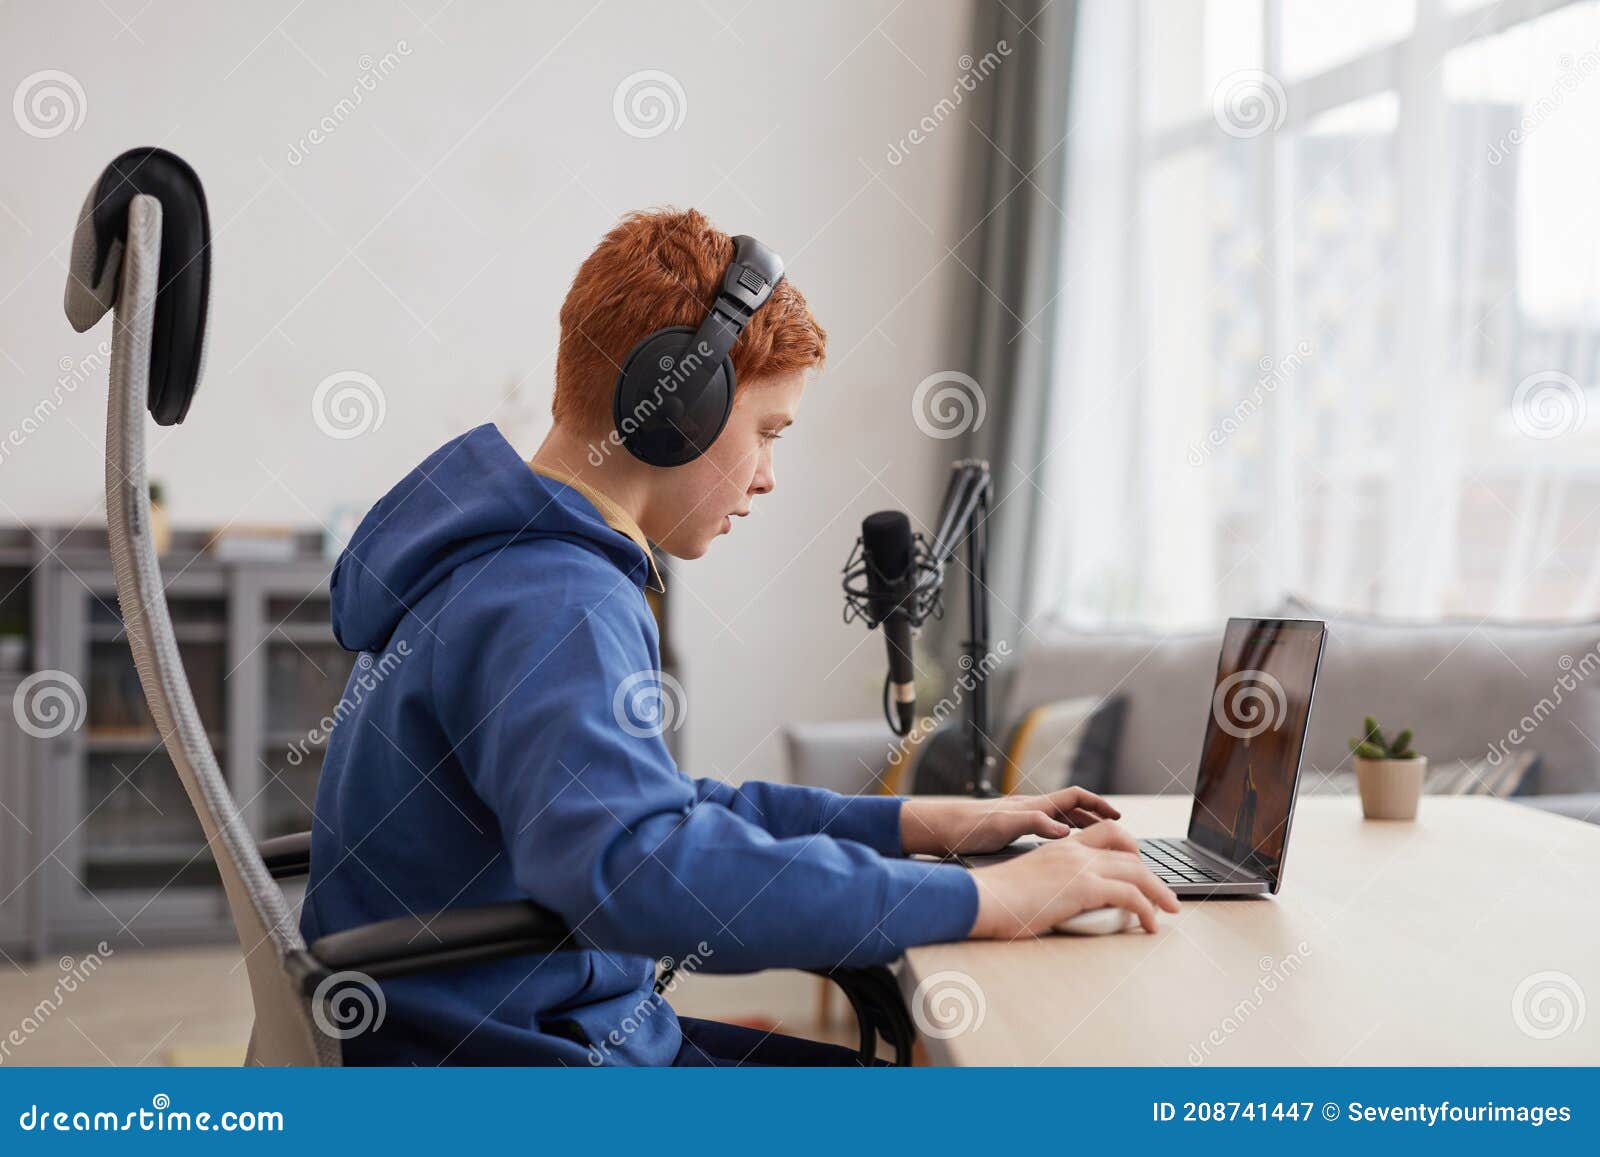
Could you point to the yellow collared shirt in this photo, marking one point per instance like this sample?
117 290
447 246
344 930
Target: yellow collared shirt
616 518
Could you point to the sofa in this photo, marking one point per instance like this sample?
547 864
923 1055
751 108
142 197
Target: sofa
1471 691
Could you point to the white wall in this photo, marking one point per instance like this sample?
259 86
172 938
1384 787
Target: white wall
428 241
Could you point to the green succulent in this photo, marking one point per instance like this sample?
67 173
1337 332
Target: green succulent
1373 745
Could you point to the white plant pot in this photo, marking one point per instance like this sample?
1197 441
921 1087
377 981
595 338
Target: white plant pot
1390 788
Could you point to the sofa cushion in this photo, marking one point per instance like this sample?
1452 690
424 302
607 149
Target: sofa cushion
1167 681
1064 742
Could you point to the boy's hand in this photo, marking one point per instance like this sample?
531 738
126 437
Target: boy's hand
1099 868
939 827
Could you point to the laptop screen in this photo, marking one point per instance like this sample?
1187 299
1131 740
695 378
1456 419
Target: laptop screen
1260 705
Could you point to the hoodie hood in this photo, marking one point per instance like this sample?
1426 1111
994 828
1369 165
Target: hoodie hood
472 496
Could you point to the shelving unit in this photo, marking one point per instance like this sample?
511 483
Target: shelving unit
97 840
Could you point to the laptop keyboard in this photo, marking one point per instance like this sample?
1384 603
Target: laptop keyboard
1173 864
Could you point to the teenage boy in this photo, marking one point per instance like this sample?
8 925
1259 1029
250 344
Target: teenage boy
500 608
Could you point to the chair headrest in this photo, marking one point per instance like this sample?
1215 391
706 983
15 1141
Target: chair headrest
178 326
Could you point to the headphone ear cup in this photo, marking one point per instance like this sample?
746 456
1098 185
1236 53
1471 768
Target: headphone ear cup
655 421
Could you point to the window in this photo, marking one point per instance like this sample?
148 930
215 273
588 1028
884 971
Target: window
1329 324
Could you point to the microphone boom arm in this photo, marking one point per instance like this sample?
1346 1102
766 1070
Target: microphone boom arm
964 518
969 486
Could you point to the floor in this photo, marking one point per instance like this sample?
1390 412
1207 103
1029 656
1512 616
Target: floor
192 1006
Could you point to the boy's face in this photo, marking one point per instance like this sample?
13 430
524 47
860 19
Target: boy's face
692 504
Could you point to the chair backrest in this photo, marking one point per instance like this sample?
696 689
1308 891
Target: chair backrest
152 264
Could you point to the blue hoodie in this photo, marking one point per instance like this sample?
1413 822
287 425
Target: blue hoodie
490 746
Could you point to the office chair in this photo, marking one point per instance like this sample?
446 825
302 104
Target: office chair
142 246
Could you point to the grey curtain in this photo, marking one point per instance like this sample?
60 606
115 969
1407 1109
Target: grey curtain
1014 211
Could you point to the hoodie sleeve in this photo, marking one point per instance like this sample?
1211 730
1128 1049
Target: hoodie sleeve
784 810
602 828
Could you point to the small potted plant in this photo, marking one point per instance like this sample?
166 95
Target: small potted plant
1389 774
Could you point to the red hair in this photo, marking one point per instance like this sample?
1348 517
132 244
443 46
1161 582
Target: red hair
657 268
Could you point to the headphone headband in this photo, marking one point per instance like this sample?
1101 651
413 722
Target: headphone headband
748 284
752 275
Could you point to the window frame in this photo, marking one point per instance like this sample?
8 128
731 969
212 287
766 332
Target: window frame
1412 68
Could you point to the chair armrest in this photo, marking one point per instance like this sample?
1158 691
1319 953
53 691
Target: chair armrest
456 936
287 857
459 936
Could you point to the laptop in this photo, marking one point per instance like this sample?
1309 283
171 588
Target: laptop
1249 772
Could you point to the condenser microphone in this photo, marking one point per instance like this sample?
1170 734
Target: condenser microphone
895 579
889 556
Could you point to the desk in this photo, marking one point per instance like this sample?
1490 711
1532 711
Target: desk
1469 937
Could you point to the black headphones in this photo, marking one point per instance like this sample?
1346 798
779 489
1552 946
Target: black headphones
675 391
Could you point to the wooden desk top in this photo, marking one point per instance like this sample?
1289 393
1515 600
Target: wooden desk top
1469 937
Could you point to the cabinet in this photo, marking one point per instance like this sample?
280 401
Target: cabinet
97 839
113 850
